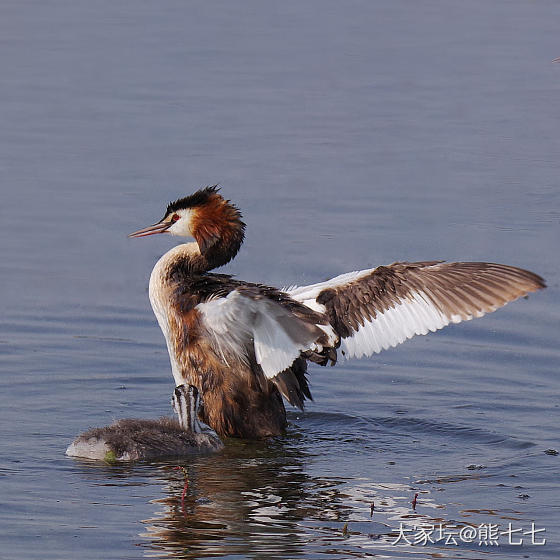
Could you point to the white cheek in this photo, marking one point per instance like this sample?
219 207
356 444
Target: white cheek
182 226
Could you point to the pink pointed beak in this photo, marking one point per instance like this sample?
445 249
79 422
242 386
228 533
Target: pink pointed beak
160 227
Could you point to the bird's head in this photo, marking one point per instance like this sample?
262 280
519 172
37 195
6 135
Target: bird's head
214 222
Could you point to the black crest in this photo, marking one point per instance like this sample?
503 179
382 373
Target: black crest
199 198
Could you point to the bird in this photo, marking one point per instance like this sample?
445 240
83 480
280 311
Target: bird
245 346
133 439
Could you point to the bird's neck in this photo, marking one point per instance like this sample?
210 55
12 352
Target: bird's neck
183 259
219 233
219 253
187 258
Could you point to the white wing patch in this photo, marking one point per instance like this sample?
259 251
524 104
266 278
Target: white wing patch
236 322
415 315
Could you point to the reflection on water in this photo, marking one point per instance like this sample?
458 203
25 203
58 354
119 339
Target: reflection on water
351 134
261 499
248 499
255 499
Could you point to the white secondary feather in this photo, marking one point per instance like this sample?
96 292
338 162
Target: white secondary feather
415 314
236 322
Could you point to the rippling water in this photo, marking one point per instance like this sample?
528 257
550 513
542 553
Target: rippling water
350 134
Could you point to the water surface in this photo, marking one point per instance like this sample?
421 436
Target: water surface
350 134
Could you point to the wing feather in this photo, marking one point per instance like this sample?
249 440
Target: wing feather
247 322
375 309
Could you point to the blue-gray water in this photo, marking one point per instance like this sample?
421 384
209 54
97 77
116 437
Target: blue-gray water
351 134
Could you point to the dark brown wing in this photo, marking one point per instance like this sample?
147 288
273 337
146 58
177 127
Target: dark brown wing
375 309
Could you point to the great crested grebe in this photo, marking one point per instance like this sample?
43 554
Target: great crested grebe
132 439
243 345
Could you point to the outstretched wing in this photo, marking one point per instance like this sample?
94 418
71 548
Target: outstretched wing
375 309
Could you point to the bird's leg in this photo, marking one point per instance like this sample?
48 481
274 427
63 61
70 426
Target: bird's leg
185 402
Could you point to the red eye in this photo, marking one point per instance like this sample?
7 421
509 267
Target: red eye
175 217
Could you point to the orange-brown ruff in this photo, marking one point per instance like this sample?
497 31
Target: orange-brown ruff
244 345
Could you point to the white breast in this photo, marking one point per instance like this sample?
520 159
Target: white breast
160 304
